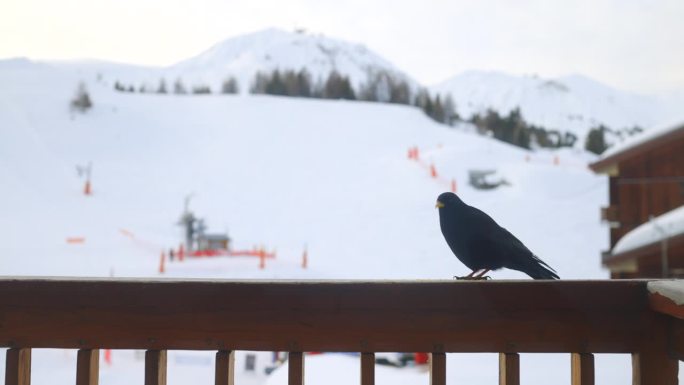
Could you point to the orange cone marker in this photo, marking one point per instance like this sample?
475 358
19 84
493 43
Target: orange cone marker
262 259
433 171
161 263
453 186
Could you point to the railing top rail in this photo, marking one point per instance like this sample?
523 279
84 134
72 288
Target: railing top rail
446 316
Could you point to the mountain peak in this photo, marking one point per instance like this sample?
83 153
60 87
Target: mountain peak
274 48
574 103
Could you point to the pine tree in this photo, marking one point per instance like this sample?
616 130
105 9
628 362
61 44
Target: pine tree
201 89
81 101
230 86
596 140
338 87
450 114
304 80
438 110
179 88
162 86
260 83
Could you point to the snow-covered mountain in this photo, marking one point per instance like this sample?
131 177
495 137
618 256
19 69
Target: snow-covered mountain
243 56
272 48
572 103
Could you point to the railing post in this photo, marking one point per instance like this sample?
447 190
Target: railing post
367 368
509 369
437 369
582 369
654 367
155 367
88 367
225 368
295 368
652 363
18 366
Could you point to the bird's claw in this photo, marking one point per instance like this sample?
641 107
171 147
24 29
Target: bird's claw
466 278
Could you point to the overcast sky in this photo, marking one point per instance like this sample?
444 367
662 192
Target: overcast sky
634 45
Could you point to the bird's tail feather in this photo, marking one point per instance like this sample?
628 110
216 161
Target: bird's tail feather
538 269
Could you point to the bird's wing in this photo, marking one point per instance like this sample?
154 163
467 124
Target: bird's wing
522 258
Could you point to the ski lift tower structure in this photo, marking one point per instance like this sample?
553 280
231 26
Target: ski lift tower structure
187 221
85 172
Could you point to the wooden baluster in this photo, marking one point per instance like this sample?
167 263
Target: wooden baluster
18 366
509 369
367 368
155 367
88 367
654 367
582 369
437 369
295 368
225 367
652 363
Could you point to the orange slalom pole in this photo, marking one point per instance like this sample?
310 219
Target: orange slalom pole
262 259
556 160
108 356
305 259
86 189
433 171
161 263
453 186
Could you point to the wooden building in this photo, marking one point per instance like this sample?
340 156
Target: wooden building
646 184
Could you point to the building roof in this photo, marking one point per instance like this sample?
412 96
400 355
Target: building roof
670 224
215 237
644 141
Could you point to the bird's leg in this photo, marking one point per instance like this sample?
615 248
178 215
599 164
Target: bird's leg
469 276
481 275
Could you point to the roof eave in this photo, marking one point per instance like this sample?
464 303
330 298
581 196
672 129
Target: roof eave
640 252
609 165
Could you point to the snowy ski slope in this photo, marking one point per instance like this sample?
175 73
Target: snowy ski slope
278 172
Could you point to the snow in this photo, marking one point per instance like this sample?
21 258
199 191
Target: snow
669 224
644 137
285 173
243 56
273 48
480 368
571 103
672 289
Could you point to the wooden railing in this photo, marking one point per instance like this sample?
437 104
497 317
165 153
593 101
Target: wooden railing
508 317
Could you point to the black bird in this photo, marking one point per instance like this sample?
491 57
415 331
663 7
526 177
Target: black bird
482 245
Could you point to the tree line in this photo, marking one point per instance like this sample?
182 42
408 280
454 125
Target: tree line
228 86
597 141
383 87
380 87
513 129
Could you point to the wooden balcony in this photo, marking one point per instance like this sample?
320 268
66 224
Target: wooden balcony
508 317
610 214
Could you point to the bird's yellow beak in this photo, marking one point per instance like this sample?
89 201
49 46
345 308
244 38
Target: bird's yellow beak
439 205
